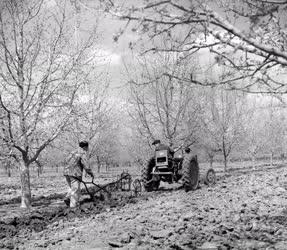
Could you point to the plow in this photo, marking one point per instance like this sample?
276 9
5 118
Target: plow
123 183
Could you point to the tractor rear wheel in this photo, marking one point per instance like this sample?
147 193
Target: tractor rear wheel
210 177
147 175
190 173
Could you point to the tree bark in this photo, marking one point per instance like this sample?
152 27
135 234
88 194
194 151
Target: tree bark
224 155
253 161
271 159
99 164
25 185
211 158
225 164
39 168
8 170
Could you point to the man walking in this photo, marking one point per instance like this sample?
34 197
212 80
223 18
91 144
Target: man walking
73 171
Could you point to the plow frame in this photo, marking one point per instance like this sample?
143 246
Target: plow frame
123 183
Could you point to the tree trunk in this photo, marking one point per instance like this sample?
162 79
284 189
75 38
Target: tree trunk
8 170
39 168
99 164
224 155
271 159
225 160
225 164
211 157
253 161
210 163
25 185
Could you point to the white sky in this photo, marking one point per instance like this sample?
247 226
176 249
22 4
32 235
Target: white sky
112 53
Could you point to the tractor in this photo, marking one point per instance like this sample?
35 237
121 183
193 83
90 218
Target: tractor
169 168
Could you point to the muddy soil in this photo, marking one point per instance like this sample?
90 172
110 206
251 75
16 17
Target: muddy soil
242 211
18 225
48 207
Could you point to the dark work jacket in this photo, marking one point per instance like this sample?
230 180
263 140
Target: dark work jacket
76 162
164 147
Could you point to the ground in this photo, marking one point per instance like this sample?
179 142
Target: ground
242 211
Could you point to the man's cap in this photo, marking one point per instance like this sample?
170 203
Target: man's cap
156 142
187 150
83 144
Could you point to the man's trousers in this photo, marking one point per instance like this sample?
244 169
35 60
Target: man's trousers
74 191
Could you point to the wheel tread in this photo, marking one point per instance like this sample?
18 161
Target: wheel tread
190 173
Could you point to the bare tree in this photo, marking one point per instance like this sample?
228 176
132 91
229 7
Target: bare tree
274 130
254 122
161 106
222 121
139 147
209 146
247 37
40 66
94 120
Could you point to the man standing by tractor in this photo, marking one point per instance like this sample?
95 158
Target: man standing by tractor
75 164
160 146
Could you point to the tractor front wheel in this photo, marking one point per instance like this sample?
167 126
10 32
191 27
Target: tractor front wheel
190 173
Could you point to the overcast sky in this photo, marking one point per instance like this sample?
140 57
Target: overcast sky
113 54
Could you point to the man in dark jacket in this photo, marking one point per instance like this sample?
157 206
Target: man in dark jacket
75 164
160 146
